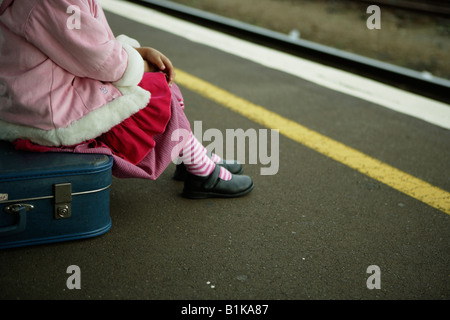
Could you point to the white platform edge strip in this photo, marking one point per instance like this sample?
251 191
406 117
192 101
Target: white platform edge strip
431 111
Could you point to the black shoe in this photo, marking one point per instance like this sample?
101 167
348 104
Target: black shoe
231 165
196 187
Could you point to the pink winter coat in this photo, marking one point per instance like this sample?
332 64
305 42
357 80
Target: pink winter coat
64 77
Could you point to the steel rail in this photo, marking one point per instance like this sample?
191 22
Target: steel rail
410 80
440 8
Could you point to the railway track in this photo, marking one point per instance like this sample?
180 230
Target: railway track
410 80
441 8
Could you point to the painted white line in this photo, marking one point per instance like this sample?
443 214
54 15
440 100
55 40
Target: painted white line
432 111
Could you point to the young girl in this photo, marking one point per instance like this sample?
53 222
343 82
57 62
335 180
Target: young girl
68 85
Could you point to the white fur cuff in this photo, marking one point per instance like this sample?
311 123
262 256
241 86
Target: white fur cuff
135 68
126 39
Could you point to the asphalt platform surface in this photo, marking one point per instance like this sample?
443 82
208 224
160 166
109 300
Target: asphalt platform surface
309 232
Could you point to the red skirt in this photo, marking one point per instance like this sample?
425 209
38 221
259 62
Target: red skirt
133 138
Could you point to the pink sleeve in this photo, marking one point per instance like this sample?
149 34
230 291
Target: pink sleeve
76 36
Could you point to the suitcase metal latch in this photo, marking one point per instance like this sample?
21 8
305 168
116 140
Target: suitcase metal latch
63 198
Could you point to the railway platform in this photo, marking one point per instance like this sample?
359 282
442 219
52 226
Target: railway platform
351 198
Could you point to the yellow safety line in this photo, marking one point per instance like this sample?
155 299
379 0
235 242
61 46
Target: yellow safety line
397 179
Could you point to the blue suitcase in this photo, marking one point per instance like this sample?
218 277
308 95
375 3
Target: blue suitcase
52 197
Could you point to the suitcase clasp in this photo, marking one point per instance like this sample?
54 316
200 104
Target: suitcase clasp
63 198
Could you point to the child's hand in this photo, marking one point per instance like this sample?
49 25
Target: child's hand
155 61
